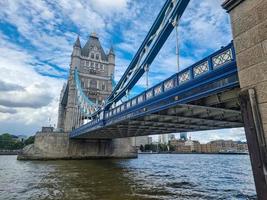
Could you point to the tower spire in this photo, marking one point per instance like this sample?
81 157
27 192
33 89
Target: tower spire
111 50
77 43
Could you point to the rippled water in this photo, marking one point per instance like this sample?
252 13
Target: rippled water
157 176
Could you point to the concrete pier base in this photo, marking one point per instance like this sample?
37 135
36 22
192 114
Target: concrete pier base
55 145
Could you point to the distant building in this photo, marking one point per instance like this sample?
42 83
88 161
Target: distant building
149 140
171 136
183 136
215 146
142 140
163 139
194 145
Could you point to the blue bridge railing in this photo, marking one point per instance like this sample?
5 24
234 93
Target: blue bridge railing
210 75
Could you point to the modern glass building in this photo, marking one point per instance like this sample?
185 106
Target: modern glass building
183 136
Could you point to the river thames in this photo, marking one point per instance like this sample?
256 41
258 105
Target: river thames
155 176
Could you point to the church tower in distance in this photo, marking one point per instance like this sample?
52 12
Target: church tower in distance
96 69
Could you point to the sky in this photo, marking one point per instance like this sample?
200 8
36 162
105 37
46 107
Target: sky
36 41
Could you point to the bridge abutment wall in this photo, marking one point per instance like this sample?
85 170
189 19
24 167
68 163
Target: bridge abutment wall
249 28
58 145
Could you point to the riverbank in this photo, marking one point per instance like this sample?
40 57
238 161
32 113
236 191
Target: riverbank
10 152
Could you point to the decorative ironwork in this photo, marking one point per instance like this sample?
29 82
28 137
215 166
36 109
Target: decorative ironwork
118 109
149 94
134 102
158 90
168 85
184 77
159 32
200 69
222 58
140 99
128 104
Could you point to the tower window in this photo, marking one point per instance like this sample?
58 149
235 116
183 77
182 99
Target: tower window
96 65
92 55
97 56
93 84
87 63
82 84
103 86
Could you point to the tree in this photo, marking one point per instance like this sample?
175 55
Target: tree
10 142
29 140
142 148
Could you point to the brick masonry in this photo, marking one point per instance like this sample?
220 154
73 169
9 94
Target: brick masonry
249 26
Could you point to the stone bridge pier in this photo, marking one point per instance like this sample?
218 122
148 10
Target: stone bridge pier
50 145
249 28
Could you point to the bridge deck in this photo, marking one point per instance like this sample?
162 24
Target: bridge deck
165 107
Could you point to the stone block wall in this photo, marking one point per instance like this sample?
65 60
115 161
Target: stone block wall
57 145
249 26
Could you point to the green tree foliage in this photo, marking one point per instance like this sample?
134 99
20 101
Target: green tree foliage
159 147
8 142
142 148
29 140
151 147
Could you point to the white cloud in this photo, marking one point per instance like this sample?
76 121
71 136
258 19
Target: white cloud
7 110
234 134
36 102
108 7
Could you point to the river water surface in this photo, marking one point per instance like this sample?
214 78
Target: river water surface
155 176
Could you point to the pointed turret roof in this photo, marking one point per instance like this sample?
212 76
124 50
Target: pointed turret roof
77 43
92 42
111 51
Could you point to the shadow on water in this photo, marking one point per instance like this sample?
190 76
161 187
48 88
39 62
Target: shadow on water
148 177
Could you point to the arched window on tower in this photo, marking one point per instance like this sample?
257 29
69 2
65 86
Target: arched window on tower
92 55
93 84
82 84
103 86
97 56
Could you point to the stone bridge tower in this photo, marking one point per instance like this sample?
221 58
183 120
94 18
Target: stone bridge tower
96 69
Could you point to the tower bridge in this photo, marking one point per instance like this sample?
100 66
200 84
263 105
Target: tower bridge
227 89
203 96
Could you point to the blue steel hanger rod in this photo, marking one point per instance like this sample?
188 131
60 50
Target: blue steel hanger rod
156 37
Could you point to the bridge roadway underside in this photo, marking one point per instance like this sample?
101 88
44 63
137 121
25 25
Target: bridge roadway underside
179 118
